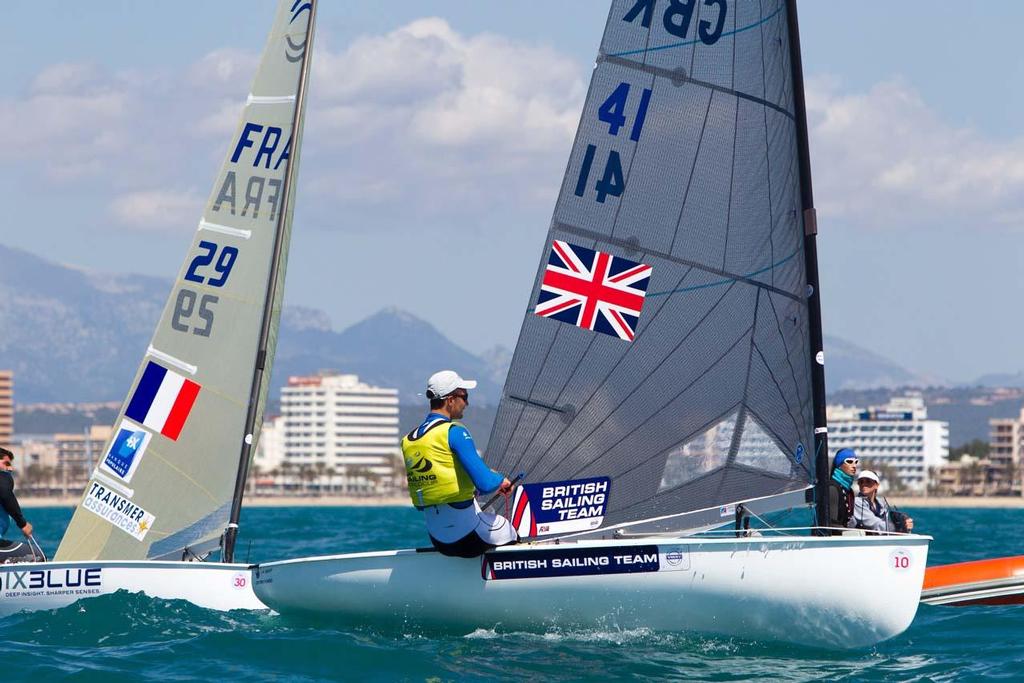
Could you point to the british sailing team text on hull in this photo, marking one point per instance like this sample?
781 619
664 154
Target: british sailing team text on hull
672 347
167 491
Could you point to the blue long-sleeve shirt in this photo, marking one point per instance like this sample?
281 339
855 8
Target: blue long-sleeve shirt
484 478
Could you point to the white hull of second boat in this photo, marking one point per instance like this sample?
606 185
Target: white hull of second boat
37 586
835 592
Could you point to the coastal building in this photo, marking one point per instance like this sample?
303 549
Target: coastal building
897 438
77 455
35 461
6 407
1006 451
968 476
339 435
266 465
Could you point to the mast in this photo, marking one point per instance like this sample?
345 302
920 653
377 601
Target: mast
821 460
244 458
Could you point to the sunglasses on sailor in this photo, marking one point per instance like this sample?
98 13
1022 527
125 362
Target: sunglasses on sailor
461 394
852 461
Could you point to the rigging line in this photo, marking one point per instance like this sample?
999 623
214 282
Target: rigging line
663 518
684 43
693 167
604 379
741 417
730 277
668 355
732 167
746 469
767 146
741 278
680 78
789 407
785 346
650 417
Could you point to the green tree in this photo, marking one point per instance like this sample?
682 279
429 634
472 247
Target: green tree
976 449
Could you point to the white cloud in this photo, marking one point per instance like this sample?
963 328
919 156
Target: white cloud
884 158
224 68
422 118
454 124
64 78
158 210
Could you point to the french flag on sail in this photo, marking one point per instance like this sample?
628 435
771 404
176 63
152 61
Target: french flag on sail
162 400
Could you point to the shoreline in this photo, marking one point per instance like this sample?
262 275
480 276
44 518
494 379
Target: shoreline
990 502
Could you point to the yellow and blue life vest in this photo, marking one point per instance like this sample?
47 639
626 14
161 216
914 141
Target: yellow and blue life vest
434 474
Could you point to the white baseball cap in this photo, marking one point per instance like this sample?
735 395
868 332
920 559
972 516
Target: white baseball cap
445 382
868 474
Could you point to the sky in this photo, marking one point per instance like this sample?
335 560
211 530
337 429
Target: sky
437 136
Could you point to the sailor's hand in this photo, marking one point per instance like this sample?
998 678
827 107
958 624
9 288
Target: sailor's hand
27 530
506 486
910 524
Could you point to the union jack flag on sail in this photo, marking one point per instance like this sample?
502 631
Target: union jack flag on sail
593 290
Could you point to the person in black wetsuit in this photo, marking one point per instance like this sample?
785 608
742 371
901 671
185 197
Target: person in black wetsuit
840 488
11 551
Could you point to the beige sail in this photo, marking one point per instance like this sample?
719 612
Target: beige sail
164 485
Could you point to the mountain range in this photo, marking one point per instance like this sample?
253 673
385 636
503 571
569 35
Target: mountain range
73 335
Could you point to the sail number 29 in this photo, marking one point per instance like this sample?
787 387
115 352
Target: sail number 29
225 262
613 111
189 305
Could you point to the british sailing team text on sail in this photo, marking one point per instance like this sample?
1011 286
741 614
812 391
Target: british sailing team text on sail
576 500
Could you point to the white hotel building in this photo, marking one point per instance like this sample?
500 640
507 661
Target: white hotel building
898 434
336 427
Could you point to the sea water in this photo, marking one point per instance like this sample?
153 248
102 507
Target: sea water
131 637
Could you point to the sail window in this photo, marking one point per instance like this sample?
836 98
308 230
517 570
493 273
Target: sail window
757 449
706 452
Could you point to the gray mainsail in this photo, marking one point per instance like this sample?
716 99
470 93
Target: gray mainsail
667 343
166 480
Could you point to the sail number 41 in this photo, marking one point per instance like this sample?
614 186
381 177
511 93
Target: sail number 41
613 112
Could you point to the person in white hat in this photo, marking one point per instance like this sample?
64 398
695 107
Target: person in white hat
872 512
444 472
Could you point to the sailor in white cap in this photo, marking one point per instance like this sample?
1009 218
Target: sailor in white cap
444 471
872 512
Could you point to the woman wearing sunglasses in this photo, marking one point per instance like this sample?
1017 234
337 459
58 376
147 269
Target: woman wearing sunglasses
840 488
872 512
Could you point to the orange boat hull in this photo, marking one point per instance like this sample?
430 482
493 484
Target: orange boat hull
996 581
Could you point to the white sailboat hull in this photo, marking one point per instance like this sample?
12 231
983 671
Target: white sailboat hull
836 592
37 586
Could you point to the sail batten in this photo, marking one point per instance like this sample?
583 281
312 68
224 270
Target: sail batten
680 79
692 389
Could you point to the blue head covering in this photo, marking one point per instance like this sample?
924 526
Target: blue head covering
841 455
